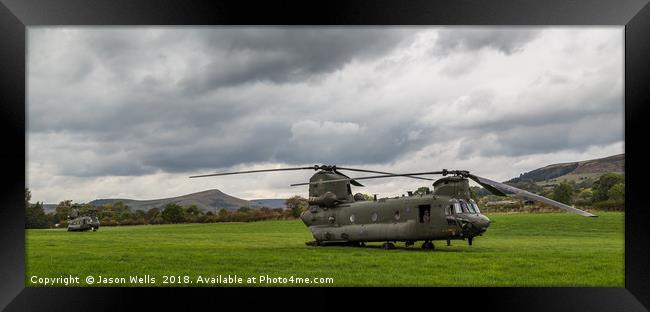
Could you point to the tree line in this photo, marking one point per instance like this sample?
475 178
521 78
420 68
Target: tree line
118 213
605 193
608 192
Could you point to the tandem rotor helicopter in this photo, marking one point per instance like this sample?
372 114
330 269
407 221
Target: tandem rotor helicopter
336 217
83 222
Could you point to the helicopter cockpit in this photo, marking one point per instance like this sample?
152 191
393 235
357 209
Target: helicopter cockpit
462 212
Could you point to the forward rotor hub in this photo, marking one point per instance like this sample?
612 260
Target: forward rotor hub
462 173
325 167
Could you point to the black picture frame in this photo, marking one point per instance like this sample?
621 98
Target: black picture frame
16 15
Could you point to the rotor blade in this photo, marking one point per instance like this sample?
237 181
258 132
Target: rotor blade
373 171
253 171
488 187
532 196
352 181
372 177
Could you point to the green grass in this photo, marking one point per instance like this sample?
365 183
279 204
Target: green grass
550 249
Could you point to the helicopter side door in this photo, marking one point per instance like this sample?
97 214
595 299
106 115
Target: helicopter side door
424 213
452 211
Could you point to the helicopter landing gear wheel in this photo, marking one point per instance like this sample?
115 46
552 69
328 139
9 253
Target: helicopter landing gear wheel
428 245
469 240
388 246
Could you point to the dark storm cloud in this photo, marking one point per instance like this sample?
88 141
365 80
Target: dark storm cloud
284 55
225 57
139 101
507 41
148 117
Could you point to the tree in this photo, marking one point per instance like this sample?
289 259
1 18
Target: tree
422 190
63 210
193 212
604 183
85 208
586 196
297 205
473 192
244 209
121 211
35 217
617 192
563 193
28 197
223 213
153 216
173 213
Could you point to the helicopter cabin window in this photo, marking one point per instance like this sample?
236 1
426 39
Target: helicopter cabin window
397 215
424 213
352 218
374 217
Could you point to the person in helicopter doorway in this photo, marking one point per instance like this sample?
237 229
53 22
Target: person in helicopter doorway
426 218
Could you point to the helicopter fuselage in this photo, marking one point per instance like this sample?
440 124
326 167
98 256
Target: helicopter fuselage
83 223
445 214
419 217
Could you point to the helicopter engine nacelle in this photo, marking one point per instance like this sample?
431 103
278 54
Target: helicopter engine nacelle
328 199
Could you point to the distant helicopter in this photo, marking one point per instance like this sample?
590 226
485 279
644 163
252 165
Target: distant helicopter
336 217
87 222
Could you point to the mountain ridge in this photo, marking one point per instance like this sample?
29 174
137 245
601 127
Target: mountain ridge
570 170
208 200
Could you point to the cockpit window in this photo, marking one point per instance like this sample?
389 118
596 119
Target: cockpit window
464 206
475 206
471 208
457 208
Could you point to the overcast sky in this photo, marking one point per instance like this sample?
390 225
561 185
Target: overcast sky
132 112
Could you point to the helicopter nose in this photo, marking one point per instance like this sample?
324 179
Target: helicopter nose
482 223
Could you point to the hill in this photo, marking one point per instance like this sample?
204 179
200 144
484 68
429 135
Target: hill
271 203
573 171
210 200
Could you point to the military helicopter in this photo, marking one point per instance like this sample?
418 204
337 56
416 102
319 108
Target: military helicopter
336 217
78 222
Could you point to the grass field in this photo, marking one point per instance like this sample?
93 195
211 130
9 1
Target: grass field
550 249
